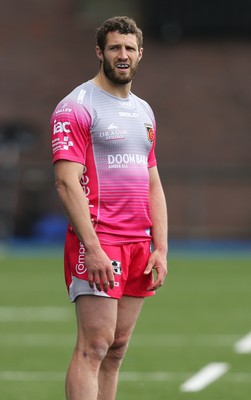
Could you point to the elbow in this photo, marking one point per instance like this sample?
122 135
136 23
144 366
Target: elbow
60 186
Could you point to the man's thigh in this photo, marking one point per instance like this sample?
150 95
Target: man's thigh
96 317
128 312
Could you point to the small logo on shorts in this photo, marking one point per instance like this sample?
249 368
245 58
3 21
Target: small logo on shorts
116 267
80 269
80 266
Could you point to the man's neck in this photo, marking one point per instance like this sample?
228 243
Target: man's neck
114 89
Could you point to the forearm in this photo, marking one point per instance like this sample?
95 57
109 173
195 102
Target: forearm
159 217
75 205
159 223
158 213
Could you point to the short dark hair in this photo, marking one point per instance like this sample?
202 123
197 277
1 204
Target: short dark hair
123 25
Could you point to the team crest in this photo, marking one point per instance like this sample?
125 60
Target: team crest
150 133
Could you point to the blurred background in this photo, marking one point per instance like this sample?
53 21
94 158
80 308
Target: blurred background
195 74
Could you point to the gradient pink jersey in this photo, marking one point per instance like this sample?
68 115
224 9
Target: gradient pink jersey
114 139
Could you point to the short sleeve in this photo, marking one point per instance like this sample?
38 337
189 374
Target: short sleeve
152 162
70 132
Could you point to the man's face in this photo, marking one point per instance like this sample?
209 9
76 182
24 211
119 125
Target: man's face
121 57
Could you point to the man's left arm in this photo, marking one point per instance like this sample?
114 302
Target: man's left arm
158 212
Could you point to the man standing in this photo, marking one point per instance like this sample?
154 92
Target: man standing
103 140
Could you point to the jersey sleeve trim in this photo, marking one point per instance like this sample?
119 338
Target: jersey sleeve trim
152 164
68 158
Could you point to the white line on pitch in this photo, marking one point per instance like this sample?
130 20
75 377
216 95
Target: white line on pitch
124 376
204 377
28 376
177 340
36 339
30 314
50 339
158 376
243 345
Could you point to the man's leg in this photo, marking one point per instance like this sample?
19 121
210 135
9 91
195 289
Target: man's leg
128 312
96 322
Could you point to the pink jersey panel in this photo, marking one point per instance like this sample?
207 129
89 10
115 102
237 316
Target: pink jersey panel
70 132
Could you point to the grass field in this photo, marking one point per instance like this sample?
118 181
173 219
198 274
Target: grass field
194 320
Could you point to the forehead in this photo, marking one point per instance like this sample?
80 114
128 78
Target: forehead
121 39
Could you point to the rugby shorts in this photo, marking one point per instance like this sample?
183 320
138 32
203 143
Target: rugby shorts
128 260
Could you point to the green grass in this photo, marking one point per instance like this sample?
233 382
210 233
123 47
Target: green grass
194 320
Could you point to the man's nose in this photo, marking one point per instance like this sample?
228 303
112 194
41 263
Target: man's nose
123 53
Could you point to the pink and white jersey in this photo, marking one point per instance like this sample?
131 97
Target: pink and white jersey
114 139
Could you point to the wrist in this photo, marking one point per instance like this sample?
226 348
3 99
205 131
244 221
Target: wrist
90 241
162 249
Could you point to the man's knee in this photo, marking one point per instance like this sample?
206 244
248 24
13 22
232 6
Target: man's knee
94 349
100 346
118 350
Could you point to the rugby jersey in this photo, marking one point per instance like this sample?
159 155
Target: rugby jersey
114 139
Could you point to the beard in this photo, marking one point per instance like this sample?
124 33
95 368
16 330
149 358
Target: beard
111 73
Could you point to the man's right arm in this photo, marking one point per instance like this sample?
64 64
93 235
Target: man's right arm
75 205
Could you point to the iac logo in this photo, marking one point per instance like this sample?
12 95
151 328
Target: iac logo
61 127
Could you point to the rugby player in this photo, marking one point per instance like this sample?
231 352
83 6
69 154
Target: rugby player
103 142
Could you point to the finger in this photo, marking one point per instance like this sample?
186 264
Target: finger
106 286
111 283
107 279
97 282
149 268
110 277
90 280
158 281
156 285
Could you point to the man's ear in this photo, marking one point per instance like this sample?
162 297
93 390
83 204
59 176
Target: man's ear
140 53
99 53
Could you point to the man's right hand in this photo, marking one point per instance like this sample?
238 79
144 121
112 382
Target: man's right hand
100 271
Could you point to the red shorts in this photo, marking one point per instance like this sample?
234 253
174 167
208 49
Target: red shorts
129 262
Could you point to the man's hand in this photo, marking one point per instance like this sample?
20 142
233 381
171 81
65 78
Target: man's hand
100 270
157 261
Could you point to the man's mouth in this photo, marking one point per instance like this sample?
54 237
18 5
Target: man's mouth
122 66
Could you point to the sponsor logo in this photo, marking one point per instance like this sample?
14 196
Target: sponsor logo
113 133
126 104
150 133
116 267
58 144
80 266
81 95
63 109
128 114
112 126
60 127
84 183
123 160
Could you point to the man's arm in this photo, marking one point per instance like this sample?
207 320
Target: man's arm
75 205
158 212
